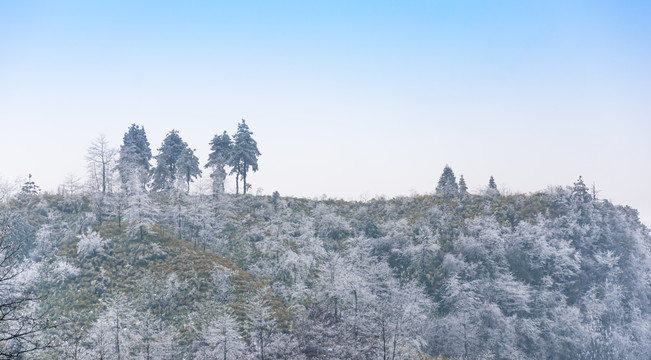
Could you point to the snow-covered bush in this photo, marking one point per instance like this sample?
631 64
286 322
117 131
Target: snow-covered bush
90 243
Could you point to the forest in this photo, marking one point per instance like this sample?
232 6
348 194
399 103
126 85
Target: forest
139 263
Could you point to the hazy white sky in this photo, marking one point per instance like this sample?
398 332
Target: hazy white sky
347 99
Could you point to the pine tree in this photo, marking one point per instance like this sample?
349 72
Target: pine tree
167 160
27 195
29 187
134 155
491 183
463 189
492 188
447 186
219 158
580 191
188 167
244 156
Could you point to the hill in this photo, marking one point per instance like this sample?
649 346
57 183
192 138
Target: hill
550 275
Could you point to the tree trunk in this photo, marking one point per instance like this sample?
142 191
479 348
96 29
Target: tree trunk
225 347
103 175
117 333
261 345
384 342
465 342
244 182
395 340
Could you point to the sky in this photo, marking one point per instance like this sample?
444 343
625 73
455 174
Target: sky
348 99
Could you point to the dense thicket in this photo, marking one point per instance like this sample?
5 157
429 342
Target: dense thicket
551 275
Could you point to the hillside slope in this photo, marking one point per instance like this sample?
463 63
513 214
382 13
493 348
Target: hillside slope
551 275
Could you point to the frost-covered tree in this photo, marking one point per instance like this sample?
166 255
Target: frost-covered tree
398 312
491 190
188 167
21 323
176 213
244 155
27 196
447 185
580 191
117 205
44 243
101 173
221 148
220 339
463 188
330 227
30 187
114 334
135 155
91 243
139 211
202 227
98 340
99 204
166 169
155 340
261 323
101 164
457 333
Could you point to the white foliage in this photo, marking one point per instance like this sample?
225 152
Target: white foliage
62 269
221 340
140 210
91 243
607 258
45 242
114 334
330 225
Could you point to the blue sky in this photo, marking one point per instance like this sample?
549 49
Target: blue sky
345 98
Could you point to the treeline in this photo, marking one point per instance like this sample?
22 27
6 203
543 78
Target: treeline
176 164
550 275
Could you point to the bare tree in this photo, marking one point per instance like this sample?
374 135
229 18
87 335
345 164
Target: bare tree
101 162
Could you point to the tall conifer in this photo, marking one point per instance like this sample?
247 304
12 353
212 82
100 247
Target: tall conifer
245 155
447 186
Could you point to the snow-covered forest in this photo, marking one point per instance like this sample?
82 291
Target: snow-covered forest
139 262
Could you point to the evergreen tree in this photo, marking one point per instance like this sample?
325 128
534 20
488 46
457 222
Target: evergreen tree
244 156
188 167
30 187
219 158
491 183
275 197
134 155
580 191
463 189
27 194
167 161
492 188
447 186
